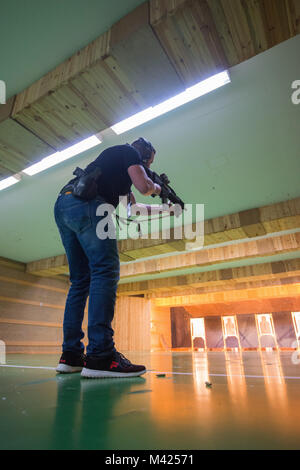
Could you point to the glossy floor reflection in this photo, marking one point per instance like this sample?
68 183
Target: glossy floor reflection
252 404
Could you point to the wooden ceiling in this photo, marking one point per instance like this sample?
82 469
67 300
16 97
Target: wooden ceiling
156 51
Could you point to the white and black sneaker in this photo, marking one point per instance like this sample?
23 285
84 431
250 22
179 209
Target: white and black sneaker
70 363
116 365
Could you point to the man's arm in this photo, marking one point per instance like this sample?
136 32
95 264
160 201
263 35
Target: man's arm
151 209
142 182
146 187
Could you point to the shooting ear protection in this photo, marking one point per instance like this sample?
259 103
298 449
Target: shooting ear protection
146 147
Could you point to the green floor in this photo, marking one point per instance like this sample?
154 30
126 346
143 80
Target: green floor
253 404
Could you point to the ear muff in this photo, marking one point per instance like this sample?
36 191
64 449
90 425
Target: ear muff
147 147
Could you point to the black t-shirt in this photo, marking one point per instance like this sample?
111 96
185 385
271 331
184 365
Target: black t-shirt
114 163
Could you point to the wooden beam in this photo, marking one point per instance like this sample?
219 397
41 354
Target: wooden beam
257 275
260 293
8 263
285 304
18 146
206 257
122 72
241 225
225 286
48 266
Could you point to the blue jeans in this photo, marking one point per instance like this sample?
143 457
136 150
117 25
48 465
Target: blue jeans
94 270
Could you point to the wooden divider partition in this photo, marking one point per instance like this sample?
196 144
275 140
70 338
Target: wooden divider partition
247 330
131 324
32 308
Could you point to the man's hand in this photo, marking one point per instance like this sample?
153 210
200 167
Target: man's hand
175 208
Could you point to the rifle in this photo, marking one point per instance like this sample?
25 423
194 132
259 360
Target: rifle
167 193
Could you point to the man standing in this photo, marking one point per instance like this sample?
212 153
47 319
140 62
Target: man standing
94 263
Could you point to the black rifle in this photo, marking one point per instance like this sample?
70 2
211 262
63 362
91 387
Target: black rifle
167 193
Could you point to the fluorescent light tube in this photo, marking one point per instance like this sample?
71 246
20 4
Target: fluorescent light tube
190 94
59 157
133 121
8 182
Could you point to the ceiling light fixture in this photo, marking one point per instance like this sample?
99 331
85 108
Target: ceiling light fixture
190 94
7 182
59 157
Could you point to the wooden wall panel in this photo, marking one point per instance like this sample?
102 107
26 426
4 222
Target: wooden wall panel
31 311
161 338
27 293
16 272
26 347
131 324
31 314
30 332
180 328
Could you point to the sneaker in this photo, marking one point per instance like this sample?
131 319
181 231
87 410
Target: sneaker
114 366
70 363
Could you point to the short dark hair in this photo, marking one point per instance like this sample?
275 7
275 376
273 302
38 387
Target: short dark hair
144 148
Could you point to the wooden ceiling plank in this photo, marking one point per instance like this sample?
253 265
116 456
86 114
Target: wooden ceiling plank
201 15
223 31
293 12
257 25
277 21
236 18
61 119
18 147
139 55
160 9
190 39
